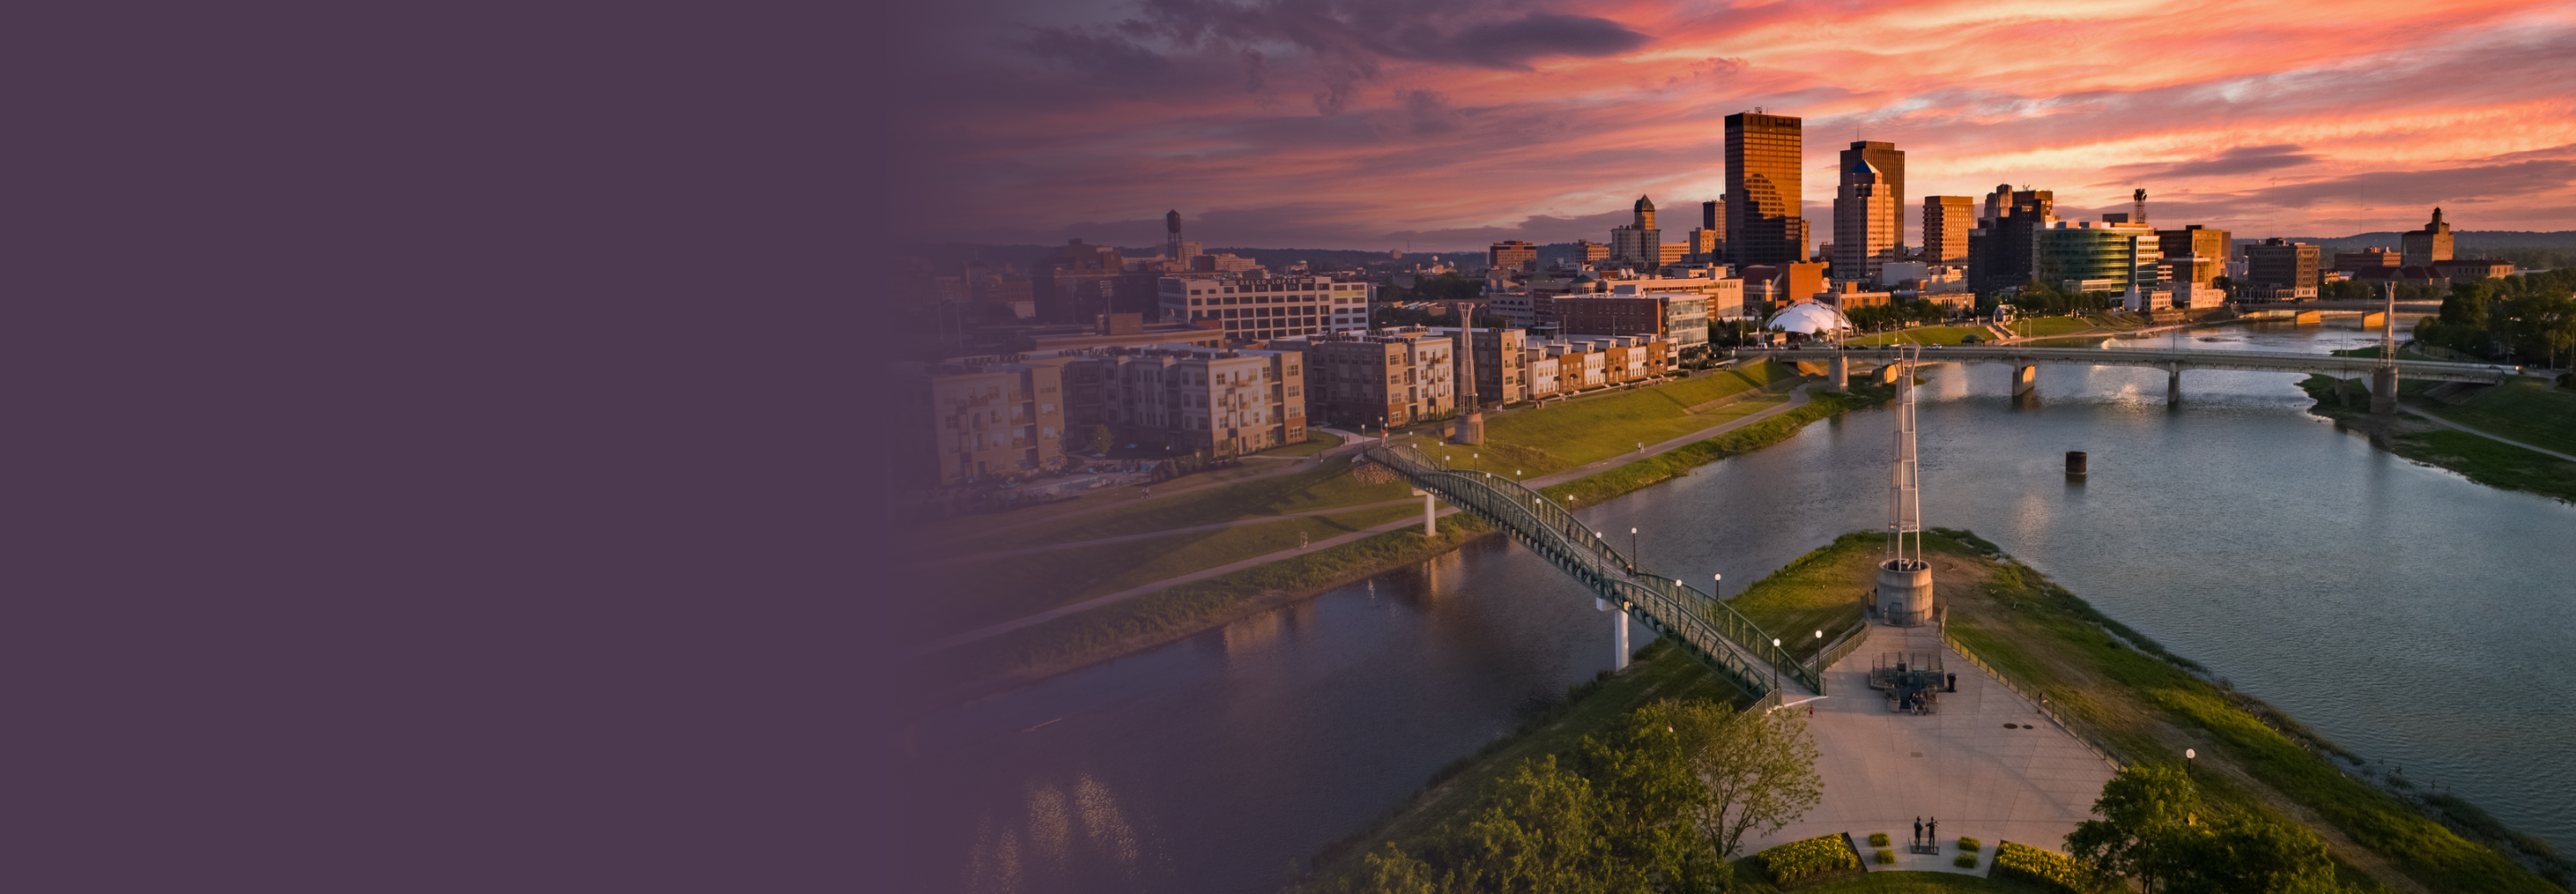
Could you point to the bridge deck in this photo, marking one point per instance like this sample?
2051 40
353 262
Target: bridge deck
2169 358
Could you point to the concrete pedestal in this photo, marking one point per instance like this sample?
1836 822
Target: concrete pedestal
1839 378
2173 386
2383 390
1430 514
1905 592
2025 379
1471 429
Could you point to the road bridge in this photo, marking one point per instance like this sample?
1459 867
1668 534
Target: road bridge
2026 359
1708 629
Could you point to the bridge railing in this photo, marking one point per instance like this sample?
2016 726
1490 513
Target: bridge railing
2169 355
1677 609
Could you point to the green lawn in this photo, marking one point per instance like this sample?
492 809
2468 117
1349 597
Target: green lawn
1323 487
1905 883
2524 408
1820 591
2041 327
1316 442
2487 461
1588 429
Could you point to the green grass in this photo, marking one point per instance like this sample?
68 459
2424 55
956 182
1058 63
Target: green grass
1316 442
2484 460
1633 476
2136 702
1660 672
1819 591
2042 327
1926 335
1323 487
2523 408
1588 429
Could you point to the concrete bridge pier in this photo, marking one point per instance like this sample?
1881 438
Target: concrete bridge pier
2025 379
2173 387
1840 376
2383 390
1618 632
1430 516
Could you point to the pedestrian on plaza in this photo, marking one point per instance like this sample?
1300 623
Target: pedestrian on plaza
1932 832
1918 831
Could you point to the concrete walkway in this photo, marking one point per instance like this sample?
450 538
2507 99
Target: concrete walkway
2029 783
2445 423
1149 535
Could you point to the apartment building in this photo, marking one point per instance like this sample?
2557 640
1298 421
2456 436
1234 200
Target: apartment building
1189 398
1587 362
962 421
1259 308
1502 371
1379 377
2281 270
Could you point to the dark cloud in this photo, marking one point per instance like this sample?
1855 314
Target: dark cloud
2240 160
1460 33
1539 35
1094 53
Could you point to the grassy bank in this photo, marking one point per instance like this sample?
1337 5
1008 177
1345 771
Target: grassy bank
2115 686
1558 436
1325 486
1675 463
2523 408
2128 694
2484 460
1925 335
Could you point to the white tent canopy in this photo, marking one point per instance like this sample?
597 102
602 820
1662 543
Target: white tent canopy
1809 318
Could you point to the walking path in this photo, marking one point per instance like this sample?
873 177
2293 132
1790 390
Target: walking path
2029 783
1166 532
1798 397
2445 423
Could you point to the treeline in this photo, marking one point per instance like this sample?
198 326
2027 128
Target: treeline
2155 831
1659 802
2531 317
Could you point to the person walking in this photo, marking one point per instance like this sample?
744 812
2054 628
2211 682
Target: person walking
1918 831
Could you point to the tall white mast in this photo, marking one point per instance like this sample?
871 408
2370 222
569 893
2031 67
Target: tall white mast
1904 497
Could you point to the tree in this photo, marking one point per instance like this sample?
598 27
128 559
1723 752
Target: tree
2141 811
2247 855
1758 769
1101 439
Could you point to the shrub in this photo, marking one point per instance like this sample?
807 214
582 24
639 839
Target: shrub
2041 869
1885 856
1969 844
1877 839
1965 861
1801 859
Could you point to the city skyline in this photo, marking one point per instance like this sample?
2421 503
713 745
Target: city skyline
1325 125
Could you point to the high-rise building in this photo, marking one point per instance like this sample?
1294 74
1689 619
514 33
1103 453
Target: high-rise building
2084 256
1764 218
1511 254
2003 252
1638 244
1866 225
1890 162
1587 251
1384 376
2280 269
1708 243
2194 254
2368 259
1946 222
1259 308
2432 243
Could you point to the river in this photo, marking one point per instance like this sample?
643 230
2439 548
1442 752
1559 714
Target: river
2417 618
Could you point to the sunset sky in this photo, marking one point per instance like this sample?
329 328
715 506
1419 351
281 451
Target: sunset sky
1448 124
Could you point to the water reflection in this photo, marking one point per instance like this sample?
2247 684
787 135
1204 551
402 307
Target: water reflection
2403 611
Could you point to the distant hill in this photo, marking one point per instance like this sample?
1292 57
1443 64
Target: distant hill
2462 240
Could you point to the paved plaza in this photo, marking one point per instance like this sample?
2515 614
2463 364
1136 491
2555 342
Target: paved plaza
2029 783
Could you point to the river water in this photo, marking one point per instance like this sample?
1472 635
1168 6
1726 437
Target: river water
2417 618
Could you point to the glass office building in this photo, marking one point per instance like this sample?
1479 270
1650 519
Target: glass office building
2088 257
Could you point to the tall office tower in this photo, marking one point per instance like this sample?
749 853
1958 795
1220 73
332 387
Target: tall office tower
1946 222
1865 221
1764 219
1890 162
2138 207
2003 252
2432 243
1172 236
1708 243
1638 244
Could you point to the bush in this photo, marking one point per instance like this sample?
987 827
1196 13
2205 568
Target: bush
1969 844
2039 868
1885 856
1965 861
1814 856
1877 839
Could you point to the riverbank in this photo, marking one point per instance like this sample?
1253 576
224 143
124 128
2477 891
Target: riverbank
2110 685
1160 618
2484 460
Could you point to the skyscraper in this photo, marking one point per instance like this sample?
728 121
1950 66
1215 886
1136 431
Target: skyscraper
1764 222
2003 252
1639 244
1890 162
1866 225
1708 243
2432 243
1946 222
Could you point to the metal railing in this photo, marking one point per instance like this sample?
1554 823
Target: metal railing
2273 361
1712 630
1842 648
2036 701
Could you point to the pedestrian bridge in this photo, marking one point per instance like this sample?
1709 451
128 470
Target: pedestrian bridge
1707 628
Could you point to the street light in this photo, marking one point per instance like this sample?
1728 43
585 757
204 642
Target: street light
1632 551
1719 585
1775 668
2188 756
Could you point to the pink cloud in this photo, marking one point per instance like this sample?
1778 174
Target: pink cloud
1350 124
